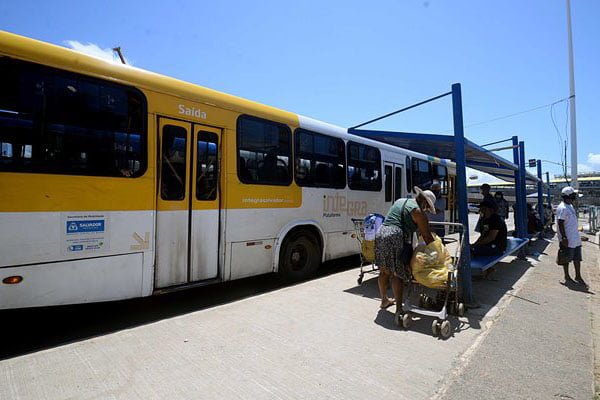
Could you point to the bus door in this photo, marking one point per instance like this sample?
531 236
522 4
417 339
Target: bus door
392 175
205 205
187 231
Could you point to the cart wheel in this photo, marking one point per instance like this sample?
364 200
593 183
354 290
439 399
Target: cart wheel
398 318
435 327
406 320
445 329
461 309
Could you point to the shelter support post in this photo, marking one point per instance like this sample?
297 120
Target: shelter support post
540 188
548 189
461 194
517 210
523 195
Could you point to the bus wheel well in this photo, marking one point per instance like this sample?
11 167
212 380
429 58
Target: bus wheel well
300 254
312 230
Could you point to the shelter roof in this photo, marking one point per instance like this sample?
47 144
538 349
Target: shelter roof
442 146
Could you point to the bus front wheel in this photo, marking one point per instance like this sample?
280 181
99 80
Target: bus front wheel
300 256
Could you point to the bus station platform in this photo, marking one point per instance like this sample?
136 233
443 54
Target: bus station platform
532 338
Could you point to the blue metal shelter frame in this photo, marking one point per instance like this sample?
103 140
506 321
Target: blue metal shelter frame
465 153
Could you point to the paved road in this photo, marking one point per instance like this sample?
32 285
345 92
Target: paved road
42 328
324 339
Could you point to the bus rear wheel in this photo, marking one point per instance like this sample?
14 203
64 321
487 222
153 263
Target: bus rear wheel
300 256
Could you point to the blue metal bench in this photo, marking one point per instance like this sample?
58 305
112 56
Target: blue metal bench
481 263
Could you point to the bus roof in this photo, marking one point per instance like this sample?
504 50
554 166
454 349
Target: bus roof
60 57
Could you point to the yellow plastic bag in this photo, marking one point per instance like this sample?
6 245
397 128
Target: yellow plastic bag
368 250
430 264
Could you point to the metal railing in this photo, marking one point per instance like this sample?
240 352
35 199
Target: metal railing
594 218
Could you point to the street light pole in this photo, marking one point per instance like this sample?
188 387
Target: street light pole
572 102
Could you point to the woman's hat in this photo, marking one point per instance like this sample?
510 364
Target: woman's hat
427 195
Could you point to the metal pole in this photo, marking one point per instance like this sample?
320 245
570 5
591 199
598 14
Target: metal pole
574 182
523 195
118 50
401 110
548 189
540 188
461 192
517 210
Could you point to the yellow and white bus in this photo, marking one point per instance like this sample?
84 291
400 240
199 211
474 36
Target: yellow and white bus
118 183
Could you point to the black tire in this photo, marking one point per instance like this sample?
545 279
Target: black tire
300 256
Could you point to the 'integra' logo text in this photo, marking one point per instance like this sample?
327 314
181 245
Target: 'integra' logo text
334 206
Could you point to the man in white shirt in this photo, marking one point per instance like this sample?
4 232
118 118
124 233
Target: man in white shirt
568 233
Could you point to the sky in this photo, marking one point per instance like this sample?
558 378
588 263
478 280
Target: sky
346 62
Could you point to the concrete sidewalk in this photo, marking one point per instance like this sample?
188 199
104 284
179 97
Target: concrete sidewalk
327 339
540 344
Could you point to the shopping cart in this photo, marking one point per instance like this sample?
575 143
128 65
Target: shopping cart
365 230
435 302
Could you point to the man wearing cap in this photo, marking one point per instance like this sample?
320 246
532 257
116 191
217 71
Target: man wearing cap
485 192
492 240
440 208
487 196
568 233
393 242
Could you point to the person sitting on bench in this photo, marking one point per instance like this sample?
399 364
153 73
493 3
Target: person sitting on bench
492 240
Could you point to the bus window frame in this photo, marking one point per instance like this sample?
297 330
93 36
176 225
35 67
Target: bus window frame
421 184
314 159
208 138
388 182
167 170
290 170
379 182
38 165
443 179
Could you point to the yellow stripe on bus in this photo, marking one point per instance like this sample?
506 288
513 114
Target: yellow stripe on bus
40 192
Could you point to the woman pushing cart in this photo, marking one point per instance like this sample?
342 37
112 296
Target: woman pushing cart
393 243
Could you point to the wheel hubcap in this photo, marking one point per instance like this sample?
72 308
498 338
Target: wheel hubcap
298 258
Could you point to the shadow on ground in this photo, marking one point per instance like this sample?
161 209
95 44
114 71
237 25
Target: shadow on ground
34 329
487 291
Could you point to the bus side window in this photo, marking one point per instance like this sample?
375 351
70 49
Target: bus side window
264 152
59 122
173 160
421 173
207 167
364 167
441 174
320 160
387 179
